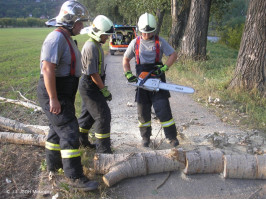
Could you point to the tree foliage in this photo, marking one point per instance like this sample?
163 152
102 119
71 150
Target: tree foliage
28 8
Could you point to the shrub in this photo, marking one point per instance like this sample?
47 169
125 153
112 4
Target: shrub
231 36
21 22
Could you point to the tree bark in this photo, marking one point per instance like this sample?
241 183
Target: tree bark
250 72
179 13
117 167
194 41
204 162
23 138
22 103
245 166
16 126
160 15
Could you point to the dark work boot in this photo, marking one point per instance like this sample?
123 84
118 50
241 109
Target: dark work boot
145 142
83 184
173 142
84 141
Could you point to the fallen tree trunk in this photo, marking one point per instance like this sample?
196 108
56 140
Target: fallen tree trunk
245 166
23 138
204 162
120 166
22 103
20 127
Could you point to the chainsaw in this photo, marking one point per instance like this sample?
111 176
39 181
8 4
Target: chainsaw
150 82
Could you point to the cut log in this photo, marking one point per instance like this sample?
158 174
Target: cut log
22 103
120 166
23 138
245 166
204 162
16 126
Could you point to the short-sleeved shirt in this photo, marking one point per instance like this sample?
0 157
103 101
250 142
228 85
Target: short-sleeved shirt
56 50
91 58
147 50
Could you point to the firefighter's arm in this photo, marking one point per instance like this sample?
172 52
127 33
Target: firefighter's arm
128 73
171 59
96 78
126 64
48 70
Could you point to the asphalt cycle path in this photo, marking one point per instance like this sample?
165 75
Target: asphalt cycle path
195 124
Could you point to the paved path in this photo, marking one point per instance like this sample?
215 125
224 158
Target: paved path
196 126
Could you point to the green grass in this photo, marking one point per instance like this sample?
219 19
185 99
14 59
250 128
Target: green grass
20 60
19 71
212 78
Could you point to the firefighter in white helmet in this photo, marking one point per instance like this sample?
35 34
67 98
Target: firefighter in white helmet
92 89
60 65
148 50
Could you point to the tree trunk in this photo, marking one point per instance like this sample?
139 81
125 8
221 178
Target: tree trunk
117 167
250 72
22 103
20 127
204 162
194 41
245 166
179 13
23 138
160 15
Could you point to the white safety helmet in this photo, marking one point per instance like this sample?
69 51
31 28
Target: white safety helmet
147 23
101 25
71 12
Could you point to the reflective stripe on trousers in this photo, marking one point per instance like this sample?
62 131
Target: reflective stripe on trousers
102 136
70 153
83 130
168 123
145 124
52 146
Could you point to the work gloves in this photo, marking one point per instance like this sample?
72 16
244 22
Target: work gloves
161 69
106 93
130 77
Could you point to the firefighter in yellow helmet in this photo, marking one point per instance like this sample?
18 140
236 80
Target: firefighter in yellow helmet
148 50
60 65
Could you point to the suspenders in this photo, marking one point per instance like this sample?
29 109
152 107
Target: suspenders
72 52
157 45
100 55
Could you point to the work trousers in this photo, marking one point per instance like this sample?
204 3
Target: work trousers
161 105
95 111
63 139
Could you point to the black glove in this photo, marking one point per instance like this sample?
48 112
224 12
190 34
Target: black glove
130 77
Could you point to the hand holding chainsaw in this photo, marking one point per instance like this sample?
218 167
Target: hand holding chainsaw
161 69
130 77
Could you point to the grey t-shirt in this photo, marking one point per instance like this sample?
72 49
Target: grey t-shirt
147 50
91 58
56 50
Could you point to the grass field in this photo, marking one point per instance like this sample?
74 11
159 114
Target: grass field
19 71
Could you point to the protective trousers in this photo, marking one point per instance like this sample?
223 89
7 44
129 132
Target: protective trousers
162 109
63 140
95 111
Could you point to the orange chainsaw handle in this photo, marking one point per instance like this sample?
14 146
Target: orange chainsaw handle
143 75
